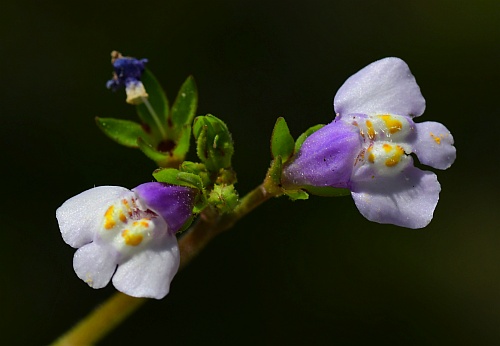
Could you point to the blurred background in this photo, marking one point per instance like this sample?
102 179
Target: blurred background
313 272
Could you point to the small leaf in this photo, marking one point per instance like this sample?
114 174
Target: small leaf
296 194
124 132
158 101
171 176
184 107
282 143
326 191
303 137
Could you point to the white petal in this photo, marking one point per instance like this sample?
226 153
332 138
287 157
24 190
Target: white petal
406 200
80 216
385 86
434 145
149 273
95 264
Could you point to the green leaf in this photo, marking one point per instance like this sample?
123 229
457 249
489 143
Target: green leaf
158 101
326 191
303 137
214 144
171 176
296 194
282 143
124 132
184 107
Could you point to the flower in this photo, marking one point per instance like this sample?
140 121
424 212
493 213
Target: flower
127 235
127 73
367 147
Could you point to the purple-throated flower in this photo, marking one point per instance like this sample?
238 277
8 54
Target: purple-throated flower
127 73
127 235
366 148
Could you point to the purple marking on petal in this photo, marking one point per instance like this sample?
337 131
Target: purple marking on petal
149 273
385 86
326 158
406 200
80 216
95 264
434 145
173 203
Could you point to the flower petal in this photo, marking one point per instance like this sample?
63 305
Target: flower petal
434 145
385 86
149 273
173 203
95 264
78 217
326 158
406 200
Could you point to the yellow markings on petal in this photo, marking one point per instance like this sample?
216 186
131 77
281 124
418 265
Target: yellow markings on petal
122 217
109 220
392 124
370 129
371 157
436 139
141 223
396 157
130 238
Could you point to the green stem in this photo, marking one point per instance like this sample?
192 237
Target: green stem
111 313
155 117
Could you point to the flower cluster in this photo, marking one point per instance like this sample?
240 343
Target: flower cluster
367 147
127 73
127 235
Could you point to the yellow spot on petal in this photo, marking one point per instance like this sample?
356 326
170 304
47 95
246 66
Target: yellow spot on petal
109 221
371 157
387 147
122 217
131 238
436 138
394 159
370 129
393 125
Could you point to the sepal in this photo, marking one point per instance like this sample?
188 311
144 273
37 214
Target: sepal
300 140
223 197
175 177
184 107
282 143
162 159
214 144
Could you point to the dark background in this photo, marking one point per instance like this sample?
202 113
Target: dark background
313 272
